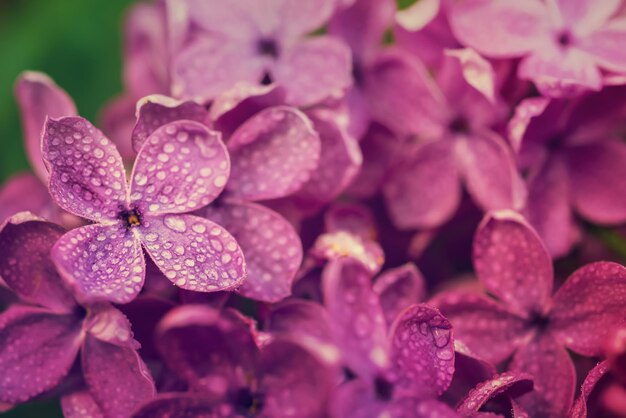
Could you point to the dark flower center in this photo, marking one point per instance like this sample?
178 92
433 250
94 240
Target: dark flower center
459 125
130 217
383 389
539 321
564 38
247 402
79 312
268 47
357 73
267 79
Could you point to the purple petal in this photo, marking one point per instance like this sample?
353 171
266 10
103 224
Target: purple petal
156 110
602 45
342 244
194 253
512 262
586 15
87 175
183 405
553 374
37 349
39 97
314 69
117 378
476 71
207 348
117 120
422 352
24 192
488 329
579 410
510 384
398 288
271 247
588 305
181 167
80 405
469 371
354 218
25 264
101 262
298 18
358 321
273 154
109 325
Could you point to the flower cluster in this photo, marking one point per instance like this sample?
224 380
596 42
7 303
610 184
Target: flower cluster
328 209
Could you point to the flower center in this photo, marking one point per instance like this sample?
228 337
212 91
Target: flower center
130 217
246 402
539 321
357 73
383 389
459 125
267 79
564 38
268 47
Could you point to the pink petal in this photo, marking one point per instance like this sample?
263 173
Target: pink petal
39 97
80 405
424 190
422 352
234 19
194 253
182 405
418 15
512 262
299 18
505 383
343 244
156 110
354 218
117 119
525 112
358 321
25 192
399 287
477 71
488 329
603 45
314 69
87 176
109 325
579 410
586 16
553 374
101 262
273 154
356 399
271 247
25 264
37 349
590 303
181 167
598 179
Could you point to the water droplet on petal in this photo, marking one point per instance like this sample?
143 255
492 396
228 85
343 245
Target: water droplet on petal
176 223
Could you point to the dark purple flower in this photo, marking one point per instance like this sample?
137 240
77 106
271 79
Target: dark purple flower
528 321
181 167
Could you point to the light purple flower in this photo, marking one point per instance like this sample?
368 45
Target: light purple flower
565 45
528 321
181 167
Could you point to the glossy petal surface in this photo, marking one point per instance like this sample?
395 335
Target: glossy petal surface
80 405
512 384
579 410
399 287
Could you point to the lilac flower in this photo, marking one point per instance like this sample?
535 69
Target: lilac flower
527 321
254 42
42 334
576 163
181 167
565 44
216 353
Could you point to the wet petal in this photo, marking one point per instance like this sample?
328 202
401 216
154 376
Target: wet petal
87 175
488 329
183 405
117 120
80 405
211 350
512 262
342 244
108 324
37 349
399 287
117 378
39 97
358 321
101 262
553 374
273 154
509 384
590 303
181 167
579 410
356 399
156 110
24 192
25 264
194 253
271 247
314 69
422 352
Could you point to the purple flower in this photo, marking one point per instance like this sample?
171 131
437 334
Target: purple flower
506 385
528 321
42 334
248 41
564 44
181 167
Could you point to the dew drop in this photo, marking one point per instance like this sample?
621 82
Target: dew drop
175 223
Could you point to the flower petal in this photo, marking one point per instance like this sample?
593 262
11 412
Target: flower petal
586 16
194 253
271 247
512 262
109 325
488 329
25 192
298 18
117 120
87 175
342 244
155 111
358 321
25 263
511 384
80 405
314 69
39 97
603 45
579 410
273 154
182 405
101 262
399 287
37 349
181 167
590 303
354 218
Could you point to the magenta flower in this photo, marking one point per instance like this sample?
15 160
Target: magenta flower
564 44
528 321
246 41
42 334
181 167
